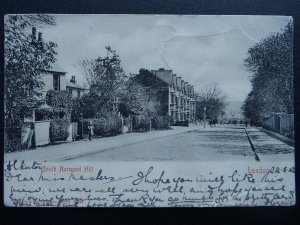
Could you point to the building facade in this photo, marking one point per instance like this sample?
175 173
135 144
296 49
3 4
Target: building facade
75 89
54 79
176 95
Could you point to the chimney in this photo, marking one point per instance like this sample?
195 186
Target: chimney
73 80
40 37
33 33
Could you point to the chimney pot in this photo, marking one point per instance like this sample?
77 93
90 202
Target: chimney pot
73 80
33 33
40 36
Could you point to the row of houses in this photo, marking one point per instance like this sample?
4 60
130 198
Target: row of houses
176 95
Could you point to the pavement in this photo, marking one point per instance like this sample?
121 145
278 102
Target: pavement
65 151
221 143
268 147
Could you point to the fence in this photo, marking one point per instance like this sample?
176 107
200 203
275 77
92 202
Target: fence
281 123
39 134
42 132
72 132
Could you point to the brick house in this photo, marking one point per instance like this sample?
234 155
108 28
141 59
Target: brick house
175 95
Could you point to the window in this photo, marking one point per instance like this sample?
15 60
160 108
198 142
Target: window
56 82
78 93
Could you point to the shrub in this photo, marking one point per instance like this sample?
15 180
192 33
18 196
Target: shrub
115 124
104 126
161 122
141 123
59 130
61 103
43 114
101 127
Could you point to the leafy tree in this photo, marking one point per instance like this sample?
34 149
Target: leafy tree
61 102
271 63
251 108
25 58
89 105
213 99
139 100
133 99
105 77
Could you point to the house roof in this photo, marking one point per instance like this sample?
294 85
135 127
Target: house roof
72 85
165 75
55 67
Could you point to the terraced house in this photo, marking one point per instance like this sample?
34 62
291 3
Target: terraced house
176 95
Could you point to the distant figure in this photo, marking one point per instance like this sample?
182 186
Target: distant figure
246 123
91 132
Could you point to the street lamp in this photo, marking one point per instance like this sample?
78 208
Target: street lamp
204 115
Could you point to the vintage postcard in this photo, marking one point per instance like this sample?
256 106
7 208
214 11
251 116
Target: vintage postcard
148 111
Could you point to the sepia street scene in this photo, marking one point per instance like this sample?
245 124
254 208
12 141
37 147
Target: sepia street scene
149 88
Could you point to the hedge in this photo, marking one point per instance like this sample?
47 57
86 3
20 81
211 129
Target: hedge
104 126
59 129
161 122
141 123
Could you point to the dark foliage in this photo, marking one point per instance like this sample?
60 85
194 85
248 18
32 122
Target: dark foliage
271 64
161 122
25 59
59 129
104 126
141 123
61 103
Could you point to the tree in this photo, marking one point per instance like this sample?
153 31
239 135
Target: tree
251 108
271 63
139 100
213 99
25 59
105 77
89 105
61 102
132 99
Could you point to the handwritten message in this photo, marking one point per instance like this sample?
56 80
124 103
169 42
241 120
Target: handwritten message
148 184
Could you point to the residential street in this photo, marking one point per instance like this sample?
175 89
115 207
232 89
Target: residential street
221 143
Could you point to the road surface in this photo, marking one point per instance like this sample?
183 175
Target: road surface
227 143
221 143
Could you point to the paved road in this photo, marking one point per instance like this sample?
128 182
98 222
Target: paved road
210 144
223 143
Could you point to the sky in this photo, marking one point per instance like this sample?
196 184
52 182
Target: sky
203 50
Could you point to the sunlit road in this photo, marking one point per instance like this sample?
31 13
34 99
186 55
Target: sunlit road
219 143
